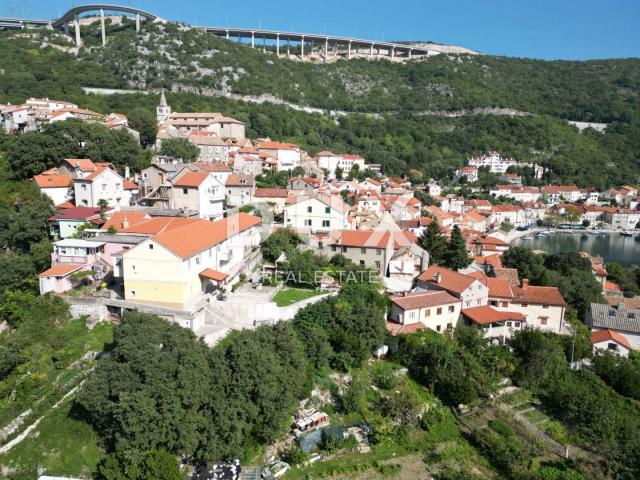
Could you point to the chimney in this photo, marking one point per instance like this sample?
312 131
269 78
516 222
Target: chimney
525 283
437 277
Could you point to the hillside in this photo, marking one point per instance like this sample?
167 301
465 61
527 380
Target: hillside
397 131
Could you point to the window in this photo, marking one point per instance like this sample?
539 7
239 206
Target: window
198 260
309 209
493 303
307 222
377 264
344 249
427 312
132 293
468 303
363 250
449 326
185 191
545 306
327 209
612 346
151 246
509 324
505 304
525 304
517 324
84 186
378 251
133 267
479 301
438 328
439 311
333 248
452 309
326 223
544 320
361 262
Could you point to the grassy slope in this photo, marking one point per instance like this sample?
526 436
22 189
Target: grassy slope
289 296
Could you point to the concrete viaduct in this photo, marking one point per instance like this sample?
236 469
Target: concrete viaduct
281 39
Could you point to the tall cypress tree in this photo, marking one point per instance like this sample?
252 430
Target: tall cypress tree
456 256
433 241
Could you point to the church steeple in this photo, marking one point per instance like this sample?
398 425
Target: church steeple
163 110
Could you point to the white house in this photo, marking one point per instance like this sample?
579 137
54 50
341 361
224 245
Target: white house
469 290
436 310
102 184
198 191
610 340
286 154
316 213
59 188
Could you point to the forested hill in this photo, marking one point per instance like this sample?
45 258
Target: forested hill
399 136
597 91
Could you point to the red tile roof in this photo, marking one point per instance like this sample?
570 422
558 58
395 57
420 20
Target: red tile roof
53 181
398 329
485 315
612 287
83 164
271 193
75 213
538 295
433 298
449 280
188 240
214 275
211 166
607 335
191 179
61 270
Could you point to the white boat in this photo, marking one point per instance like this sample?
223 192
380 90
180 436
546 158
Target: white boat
527 238
627 233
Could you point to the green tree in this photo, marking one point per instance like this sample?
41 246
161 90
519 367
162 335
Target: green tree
282 240
144 121
434 242
179 148
456 256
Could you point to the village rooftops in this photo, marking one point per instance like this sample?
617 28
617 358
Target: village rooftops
277 146
210 167
620 319
237 180
415 300
372 238
446 279
61 270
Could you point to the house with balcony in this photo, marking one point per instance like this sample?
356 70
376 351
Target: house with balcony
101 184
287 155
470 291
66 222
177 267
69 257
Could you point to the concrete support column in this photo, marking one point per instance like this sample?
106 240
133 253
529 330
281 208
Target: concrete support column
288 47
326 49
253 40
302 48
102 30
77 22
277 44
227 34
66 28
371 51
349 51
137 23
393 52
264 44
49 26
410 53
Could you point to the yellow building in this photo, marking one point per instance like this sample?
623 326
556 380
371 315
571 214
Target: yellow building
176 267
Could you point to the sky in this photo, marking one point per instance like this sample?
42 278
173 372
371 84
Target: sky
547 29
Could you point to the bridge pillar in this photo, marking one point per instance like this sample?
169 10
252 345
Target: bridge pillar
349 50
49 26
227 34
277 44
326 49
66 28
102 30
371 51
302 49
410 53
393 52
253 40
77 22
137 22
264 44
